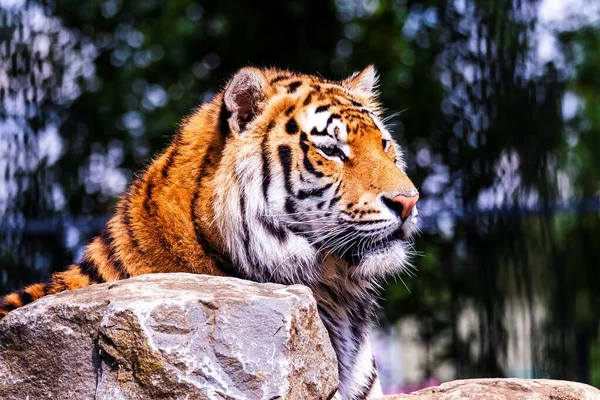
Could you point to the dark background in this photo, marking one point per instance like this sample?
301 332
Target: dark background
498 107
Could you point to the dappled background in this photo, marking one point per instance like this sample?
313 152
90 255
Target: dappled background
497 103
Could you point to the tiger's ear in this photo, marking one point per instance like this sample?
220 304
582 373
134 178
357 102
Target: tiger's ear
242 97
364 82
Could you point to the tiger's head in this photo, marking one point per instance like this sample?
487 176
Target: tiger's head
311 178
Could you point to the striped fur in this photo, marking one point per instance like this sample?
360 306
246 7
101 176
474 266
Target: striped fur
281 178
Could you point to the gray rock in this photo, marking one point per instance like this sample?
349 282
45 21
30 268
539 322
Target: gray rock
503 389
168 336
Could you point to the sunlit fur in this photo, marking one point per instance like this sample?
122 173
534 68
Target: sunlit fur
281 178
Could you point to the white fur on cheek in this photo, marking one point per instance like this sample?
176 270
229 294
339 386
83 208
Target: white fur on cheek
239 207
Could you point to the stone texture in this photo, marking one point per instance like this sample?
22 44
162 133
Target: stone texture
504 389
168 336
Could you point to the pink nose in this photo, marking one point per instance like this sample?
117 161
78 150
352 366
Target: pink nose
407 204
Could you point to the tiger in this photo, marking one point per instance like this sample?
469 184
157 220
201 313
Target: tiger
283 177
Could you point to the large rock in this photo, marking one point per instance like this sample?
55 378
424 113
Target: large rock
168 336
504 389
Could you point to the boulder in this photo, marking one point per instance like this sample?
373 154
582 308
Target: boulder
168 336
504 389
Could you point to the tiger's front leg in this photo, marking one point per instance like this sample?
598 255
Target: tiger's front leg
348 329
363 382
358 375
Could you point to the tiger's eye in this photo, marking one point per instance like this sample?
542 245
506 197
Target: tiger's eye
330 151
333 151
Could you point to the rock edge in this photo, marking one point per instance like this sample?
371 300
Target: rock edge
169 336
504 389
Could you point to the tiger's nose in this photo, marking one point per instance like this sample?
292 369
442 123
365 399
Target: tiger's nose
402 205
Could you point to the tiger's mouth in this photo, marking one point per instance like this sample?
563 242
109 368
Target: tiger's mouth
356 252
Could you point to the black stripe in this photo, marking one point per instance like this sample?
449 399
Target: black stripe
6 306
202 241
309 167
289 110
367 388
292 87
315 132
307 164
302 178
126 220
291 127
90 269
266 167
109 243
285 157
317 192
335 91
321 109
245 232
333 295
308 99
277 231
47 286
338 188
24 297
296 230
304 142
334 201
356 103
148 194
279 78
359 320
290 206
373 221
169 163
332 117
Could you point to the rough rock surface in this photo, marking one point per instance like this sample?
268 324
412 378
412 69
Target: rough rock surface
504 389
168 336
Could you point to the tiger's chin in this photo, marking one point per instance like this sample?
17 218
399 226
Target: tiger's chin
379 262
384 257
